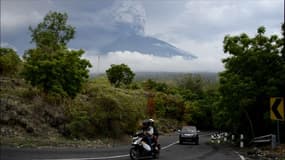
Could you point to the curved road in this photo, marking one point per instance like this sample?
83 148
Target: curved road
170 150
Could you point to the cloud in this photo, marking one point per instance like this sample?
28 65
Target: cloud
7 45
204 20
213 18
144 62
18 14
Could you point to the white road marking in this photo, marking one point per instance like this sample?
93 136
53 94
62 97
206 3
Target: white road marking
165 147
241 156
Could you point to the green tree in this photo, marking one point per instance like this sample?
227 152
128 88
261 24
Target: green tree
120 74
254 71
10 62
157 86
53 32
51 66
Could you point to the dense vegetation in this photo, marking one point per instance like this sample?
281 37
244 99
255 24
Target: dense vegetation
58 95
254 72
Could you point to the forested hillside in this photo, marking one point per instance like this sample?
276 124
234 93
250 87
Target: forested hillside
98 111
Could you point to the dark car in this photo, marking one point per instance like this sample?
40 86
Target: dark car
188 134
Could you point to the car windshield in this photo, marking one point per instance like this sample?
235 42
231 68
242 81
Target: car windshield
189 129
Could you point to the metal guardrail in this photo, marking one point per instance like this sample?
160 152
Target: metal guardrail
266 139
224 137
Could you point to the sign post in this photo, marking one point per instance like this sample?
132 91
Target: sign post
278 133
277 112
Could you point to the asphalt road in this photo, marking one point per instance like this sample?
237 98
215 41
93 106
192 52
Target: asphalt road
170 151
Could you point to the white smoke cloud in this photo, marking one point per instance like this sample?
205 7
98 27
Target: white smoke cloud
145 62
130 12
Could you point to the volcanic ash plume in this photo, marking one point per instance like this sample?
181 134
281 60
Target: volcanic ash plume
130 13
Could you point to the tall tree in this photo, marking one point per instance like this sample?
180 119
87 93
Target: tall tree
254 71
51 66
120 74
53 32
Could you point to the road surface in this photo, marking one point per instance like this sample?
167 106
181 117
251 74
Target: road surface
170 151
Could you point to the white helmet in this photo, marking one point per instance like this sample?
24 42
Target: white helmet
151 121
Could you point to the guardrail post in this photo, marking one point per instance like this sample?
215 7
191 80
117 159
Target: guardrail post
212 138
226 137
241 141
219 140
233 137
273 141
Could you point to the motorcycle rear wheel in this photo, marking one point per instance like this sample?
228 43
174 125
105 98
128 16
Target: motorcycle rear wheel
133 154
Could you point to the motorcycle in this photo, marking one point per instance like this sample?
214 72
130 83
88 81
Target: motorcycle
140 150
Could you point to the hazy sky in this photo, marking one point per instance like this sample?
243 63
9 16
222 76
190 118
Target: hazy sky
195 26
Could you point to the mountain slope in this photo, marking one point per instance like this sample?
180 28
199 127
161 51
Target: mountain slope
121 27
146 45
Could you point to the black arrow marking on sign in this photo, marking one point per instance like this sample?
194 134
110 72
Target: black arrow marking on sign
274 108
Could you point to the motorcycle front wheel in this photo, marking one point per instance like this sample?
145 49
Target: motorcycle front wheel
133 154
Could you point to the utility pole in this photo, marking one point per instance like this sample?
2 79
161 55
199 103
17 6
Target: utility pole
98 65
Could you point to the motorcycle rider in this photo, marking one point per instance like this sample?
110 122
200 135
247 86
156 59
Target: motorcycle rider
144 144
155 133
150 132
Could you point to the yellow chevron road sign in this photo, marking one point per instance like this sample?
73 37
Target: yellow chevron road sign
277 108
